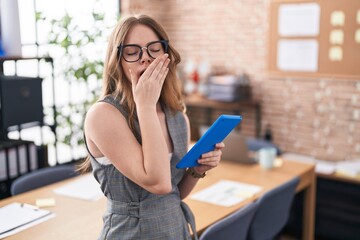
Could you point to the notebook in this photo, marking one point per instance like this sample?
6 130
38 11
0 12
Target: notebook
16 217
236 149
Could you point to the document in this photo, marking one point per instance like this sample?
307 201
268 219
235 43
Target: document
349 168
298 55
299 19
325 167
16 217
226 193
86 188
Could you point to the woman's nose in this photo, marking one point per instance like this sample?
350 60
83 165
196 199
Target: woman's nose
145 56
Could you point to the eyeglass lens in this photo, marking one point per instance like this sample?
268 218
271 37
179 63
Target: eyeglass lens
133 53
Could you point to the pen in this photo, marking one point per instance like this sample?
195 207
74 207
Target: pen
23 205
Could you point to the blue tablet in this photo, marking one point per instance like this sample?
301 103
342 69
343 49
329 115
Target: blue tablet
215 134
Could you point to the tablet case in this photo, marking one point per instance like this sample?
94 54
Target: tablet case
215 134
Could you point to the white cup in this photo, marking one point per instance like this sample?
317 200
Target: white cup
267 157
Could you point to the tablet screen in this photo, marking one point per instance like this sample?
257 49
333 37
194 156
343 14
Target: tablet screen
215 134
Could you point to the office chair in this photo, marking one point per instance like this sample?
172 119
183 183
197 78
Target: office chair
42 177
273 211
234 226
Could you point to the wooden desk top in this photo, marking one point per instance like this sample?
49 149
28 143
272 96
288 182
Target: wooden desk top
80 219
340 177
206 214
75 218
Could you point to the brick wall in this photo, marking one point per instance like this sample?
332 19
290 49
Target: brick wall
312 116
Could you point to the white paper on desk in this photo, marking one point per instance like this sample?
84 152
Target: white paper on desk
350 167
16 217
298 158
325 167
86 188
226 193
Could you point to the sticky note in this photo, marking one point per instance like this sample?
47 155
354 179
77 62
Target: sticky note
45 202
357 36
337 18
335 54
337 37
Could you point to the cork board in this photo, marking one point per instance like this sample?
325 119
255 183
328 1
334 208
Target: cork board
309 38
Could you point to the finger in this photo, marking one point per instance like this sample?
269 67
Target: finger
133 80
211 154
149 71
220 145
156 74
210 159
163 76
213 162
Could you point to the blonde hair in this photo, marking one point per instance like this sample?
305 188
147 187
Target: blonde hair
115 82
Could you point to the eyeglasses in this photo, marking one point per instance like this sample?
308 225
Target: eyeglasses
134 52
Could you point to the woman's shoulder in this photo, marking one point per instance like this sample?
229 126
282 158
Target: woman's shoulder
102 111
107 103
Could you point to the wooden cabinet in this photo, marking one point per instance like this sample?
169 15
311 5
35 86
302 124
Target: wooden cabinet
198 102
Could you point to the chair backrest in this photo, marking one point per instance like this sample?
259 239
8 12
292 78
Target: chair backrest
42 177
234 226
273 211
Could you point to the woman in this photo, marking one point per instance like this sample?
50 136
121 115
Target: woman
137 133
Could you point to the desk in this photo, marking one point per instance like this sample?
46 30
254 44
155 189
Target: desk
79 219
207 214
197 101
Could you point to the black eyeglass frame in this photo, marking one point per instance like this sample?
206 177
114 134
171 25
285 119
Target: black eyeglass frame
165 44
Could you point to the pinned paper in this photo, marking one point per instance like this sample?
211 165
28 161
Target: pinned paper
358 17
299 19
357 36
337 18
337 37
335 54
298 55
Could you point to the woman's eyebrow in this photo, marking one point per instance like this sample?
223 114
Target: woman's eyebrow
140 45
